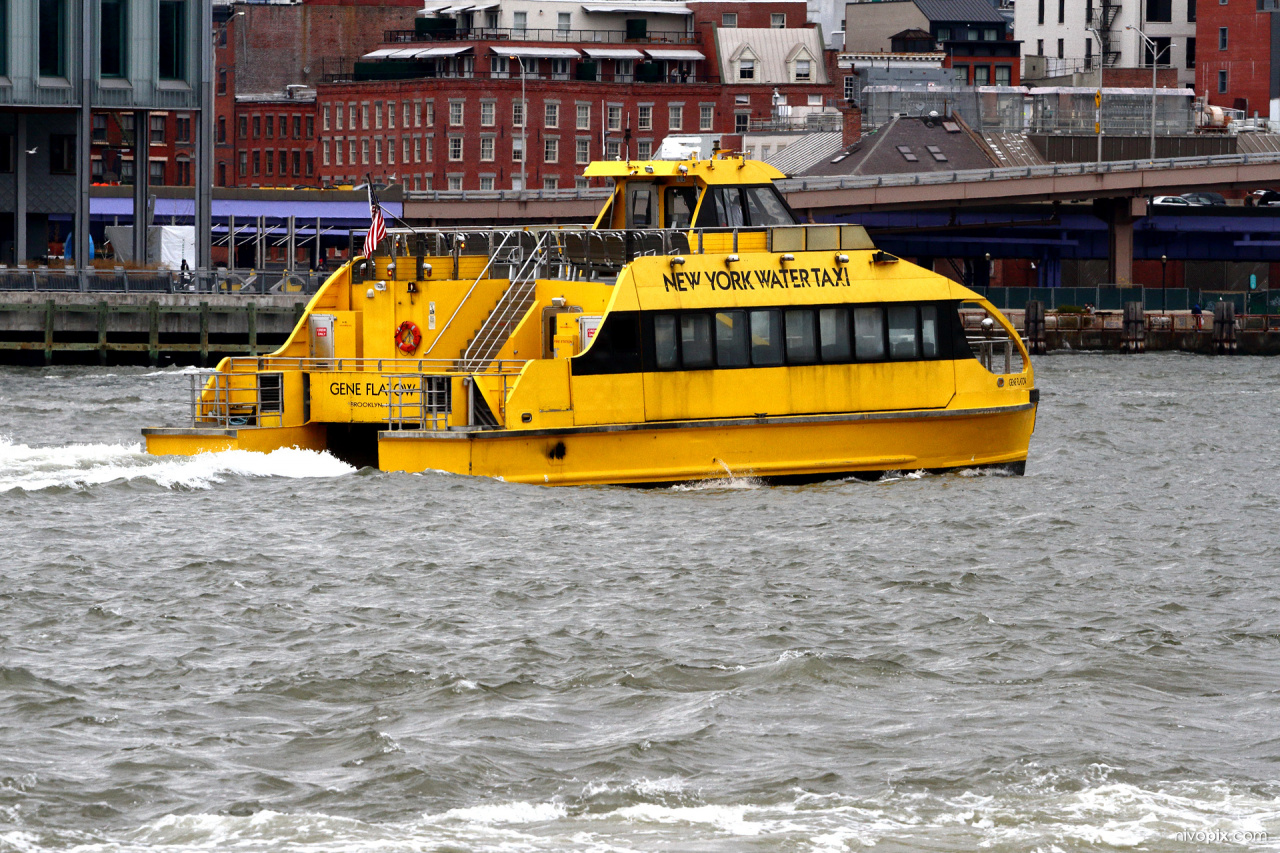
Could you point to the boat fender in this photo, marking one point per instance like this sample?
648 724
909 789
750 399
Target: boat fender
408 336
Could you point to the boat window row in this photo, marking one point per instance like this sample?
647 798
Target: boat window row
774 337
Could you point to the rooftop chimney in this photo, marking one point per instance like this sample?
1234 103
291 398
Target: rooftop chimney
852 124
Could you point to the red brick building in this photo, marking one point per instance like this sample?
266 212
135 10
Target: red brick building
1236 57
114 138
455 120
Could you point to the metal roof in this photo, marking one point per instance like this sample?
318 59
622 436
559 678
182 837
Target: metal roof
966 11
771 49
807 151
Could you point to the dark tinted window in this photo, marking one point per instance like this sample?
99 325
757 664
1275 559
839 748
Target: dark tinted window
615 349
664 342
833 331
903 343
731 339
929 347
695 341
766 338
765 207
802 346
868 333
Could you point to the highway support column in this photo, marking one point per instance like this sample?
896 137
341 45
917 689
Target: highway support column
1119 214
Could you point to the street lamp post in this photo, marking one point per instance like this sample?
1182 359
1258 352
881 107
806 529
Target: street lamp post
524 132
1155 63
1097 98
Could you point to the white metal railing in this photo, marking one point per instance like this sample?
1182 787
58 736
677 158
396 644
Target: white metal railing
1010 173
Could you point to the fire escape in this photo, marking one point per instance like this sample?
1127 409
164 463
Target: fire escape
1101 18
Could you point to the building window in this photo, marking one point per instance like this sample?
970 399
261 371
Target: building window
455 182
271 161
1040 47
156 173
1062 11
296 160
486 148
4 37
645 117
377 115
624 70
182 125
1222 82
157 130
486 182
584 116
803 70
551 183
417 149
944 33
1061 48
981 75
612 150
271 127
455 148
351 151
519 21
417 114
675 117
582 152
1222 38
404 151
729 19
1191 52
53 38
62 154
614 118
741 122
644 149
311 162
1160 11
498 67
429 148
324 152
377 150
559 69
517 113
1163 51
562 22
173 41
431 113
99 129
550 150
222 129
1191 11
990 34
517 150
706 115
552 117
455 113
1040 12
311 127
488 113
746 69
778 20
111 40
364 152
1004 75
244 127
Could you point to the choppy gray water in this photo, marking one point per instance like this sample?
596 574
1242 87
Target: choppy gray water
280 653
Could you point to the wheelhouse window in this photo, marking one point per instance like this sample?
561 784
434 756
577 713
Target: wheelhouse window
738 207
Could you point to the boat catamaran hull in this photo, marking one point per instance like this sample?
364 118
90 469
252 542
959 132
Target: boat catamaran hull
695 331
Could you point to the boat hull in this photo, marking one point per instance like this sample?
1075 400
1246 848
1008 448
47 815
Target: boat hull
801 448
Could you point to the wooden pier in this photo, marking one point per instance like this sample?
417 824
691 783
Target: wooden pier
141 328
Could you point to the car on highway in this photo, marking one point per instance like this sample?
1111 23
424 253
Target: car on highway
1263 198
1205 199
1171 201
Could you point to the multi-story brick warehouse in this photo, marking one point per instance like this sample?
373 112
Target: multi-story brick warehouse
1239 57
596 84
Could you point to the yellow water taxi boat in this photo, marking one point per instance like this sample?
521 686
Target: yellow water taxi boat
695 331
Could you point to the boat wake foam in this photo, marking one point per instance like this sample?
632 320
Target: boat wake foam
81 466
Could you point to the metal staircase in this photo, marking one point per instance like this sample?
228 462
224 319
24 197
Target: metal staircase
514 304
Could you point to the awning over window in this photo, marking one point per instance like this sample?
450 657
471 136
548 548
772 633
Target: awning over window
655 9
537 52
381 54
417 52
679 55
613 53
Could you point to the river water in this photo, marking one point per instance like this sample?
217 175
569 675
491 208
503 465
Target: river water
282 653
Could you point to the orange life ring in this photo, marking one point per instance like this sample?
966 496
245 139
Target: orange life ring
408 336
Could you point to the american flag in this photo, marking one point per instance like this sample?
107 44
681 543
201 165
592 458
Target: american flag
377 226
